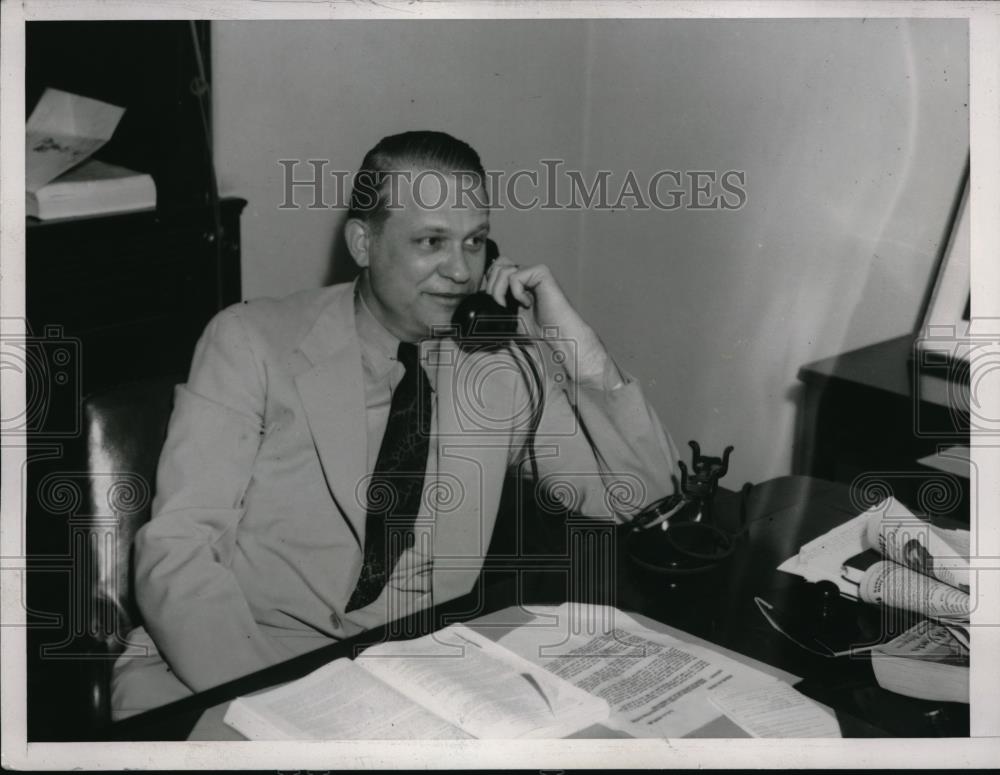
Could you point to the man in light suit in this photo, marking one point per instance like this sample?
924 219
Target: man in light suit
262 521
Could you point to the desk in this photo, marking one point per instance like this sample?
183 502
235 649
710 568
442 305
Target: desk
716 606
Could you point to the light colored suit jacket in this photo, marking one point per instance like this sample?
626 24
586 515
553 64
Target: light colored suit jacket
258 525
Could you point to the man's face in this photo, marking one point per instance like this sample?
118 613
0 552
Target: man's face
426 256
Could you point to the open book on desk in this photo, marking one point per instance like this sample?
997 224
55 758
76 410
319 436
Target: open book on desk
630 680
453 683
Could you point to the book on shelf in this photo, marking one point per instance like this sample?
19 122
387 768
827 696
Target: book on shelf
927 661
62 131
92 188
62 179
453 683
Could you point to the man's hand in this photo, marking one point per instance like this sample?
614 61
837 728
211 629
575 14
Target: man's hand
535 288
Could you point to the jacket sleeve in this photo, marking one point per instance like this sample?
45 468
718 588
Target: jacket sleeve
599 449
191 602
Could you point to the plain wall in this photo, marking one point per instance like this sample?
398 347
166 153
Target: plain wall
852 135
321 90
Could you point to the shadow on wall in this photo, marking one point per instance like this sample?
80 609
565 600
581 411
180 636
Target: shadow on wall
341 266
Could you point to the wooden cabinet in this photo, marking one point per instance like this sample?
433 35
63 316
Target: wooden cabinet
131 292
869 415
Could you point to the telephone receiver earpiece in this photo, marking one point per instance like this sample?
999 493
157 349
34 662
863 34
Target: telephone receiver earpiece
492 253
480 321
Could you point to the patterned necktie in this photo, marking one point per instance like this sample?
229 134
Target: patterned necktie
398 480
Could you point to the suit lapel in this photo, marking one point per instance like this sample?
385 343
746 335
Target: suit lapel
333 396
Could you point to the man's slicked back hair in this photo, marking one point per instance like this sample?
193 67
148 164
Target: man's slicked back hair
421 149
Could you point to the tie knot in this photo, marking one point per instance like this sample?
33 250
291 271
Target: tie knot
408 354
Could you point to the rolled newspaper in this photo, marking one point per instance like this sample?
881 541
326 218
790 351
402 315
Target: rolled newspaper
928 550
891 584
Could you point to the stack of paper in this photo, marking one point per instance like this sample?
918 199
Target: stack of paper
926 661
658 685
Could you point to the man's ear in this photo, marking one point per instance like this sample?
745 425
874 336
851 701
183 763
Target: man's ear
357 235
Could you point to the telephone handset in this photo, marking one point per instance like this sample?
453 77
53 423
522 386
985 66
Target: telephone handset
481 322
484 325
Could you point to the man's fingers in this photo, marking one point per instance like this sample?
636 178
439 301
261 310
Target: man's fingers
500 281
505 275
518 290
491 273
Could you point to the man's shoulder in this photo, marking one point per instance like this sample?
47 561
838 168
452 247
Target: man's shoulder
282 323
301 307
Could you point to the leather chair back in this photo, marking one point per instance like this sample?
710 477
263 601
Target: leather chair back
125 427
